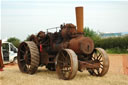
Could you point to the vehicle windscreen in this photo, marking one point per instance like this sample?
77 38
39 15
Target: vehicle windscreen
5 49
5 46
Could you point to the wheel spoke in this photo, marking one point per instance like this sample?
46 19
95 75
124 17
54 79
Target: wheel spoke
101 60
25 47
62 54
93 58
24 67
99 56
22 51
101 64
28 66
101 67
59 61
22 60
66 58
98 71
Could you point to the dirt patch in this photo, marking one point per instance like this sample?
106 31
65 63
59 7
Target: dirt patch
125 64
9 65
118 63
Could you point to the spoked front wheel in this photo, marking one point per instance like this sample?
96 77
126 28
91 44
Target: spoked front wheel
66 64
101 57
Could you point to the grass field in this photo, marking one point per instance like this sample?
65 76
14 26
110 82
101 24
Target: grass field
12 76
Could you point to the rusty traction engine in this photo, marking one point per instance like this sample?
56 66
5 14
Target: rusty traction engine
66 51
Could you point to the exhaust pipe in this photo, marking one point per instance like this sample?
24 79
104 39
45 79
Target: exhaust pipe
79 19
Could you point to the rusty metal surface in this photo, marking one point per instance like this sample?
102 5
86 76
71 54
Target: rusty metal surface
28 57
86 64
70 45
40 36
66 64
86 45
81 45
1 60
68 30
100 56
44 57
34 39
79 19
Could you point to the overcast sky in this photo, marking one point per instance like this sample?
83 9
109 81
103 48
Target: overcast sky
20 18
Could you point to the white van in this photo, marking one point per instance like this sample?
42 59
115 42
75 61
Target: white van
9 52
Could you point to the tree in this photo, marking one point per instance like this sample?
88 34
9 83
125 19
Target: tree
27 38
92 34
15 41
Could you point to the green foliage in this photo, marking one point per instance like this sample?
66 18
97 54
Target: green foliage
15 41
110 44
116 50
27 38
113 42
92 34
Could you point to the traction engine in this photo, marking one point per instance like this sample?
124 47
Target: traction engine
65 52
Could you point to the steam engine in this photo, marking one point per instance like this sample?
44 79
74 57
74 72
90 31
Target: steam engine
65 51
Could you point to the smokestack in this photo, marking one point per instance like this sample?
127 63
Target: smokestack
79 19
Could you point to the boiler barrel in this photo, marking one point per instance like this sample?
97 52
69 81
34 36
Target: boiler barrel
81 45
79 19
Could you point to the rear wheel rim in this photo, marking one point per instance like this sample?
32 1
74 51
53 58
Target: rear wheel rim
28 57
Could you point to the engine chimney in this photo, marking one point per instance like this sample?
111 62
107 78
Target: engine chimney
79 19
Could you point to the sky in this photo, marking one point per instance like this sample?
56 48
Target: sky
20 18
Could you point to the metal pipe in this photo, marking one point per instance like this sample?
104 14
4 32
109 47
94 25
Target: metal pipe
79 19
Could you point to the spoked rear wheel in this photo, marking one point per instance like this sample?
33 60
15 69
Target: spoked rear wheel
66 64
100 56
28 57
